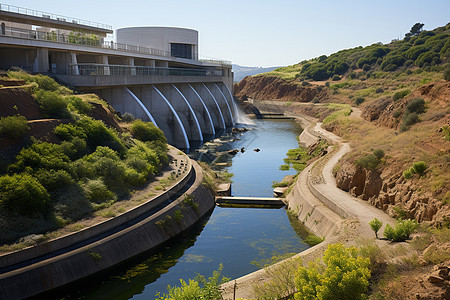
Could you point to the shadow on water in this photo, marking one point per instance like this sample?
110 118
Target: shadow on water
132 276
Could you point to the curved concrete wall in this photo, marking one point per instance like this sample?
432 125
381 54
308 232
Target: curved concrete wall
90 259
185 112
158 37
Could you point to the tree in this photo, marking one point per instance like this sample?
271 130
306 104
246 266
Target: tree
416 29
375 224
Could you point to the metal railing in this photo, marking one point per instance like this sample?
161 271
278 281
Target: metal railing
99 69
91 40
216 61
41 14
75 39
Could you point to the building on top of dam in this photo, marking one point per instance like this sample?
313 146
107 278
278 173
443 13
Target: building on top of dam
151 72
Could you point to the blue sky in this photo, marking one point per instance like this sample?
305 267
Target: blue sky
263 33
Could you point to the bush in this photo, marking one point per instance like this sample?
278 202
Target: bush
77 104
408 120
199 288
147 131
359 100
416 105
419 167
378 153
45 83
23 194
345 275
14 127
375 224
54 179
41 155
96 191
336 77
369 162
52 104
400 94
408 173
379 90
427 58
127 117
447 72
401 231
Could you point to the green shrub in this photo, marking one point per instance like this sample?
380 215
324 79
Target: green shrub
199 288
369 161
378 153
54 179
379 90
345 275
128 117
419 167
23 194
77 104
427 58
336 77
408 173
447 72
147 131
97 134
45 83
416 105
74 149
375 224
392 62
14 126
400 94
53 104
401 231
359 100
41 155
96 191
408 120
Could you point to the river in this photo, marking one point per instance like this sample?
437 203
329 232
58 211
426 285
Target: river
234 237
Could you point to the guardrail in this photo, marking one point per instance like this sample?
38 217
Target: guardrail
100 69
76 38
41 14
215 61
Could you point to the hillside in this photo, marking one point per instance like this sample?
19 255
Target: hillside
405 103
66 157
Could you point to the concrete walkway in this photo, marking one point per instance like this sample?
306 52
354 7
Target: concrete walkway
351 215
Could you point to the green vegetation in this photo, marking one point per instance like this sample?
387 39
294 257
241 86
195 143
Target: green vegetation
371 161
54 184
198 288
401 231
375 224
14 127
401 94
417 168
344 275
418 49
298 158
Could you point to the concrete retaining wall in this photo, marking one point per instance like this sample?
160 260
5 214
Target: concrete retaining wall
102 254
87 233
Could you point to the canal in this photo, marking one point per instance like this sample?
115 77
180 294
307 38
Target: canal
234 237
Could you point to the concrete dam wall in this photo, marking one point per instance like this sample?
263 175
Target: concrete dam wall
186 112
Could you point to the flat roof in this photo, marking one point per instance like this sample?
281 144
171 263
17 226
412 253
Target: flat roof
22 15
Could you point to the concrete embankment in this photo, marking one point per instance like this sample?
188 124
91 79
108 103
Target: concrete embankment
119 245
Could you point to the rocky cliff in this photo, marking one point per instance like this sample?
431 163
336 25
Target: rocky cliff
391 192
275 88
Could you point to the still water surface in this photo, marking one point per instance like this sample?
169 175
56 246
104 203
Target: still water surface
235 237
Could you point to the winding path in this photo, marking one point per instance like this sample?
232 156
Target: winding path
350 214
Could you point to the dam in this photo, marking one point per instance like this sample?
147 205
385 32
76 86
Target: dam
153 73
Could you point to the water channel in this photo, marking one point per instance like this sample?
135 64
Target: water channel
235 237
